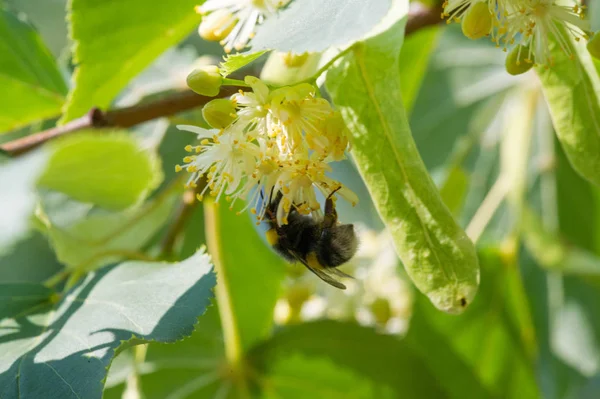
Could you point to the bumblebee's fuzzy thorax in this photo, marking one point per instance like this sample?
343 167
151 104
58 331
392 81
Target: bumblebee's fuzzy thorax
320 244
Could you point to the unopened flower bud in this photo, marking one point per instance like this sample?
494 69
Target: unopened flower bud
297 295
217 25
593 45
381 310
219 113
205 80
477 21
519 60
292 60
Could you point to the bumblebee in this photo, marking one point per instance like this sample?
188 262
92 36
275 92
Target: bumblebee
321 245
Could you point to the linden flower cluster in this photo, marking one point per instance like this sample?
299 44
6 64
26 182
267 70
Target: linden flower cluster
269 141
525 25
232 22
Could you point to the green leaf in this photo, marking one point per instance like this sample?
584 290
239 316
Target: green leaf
300 377
300 27
436 253
576 326
233 62
567 353
551 252
20 297
466 80
571 89
31 82
64 351
414 57
248 272
578 203
31 260
489 348
454 188
102 238
383 359
189 368
17 195
106 169
133 34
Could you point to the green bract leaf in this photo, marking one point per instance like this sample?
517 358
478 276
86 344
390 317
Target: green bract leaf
32 86
17 195
316 25
436 253
107 169
382 359
300 377
63 351
116 40
233 62
249 275
571 89
103 238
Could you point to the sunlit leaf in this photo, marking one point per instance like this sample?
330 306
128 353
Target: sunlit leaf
315 25
189 368
108 169
63 351
18 180
30 80
134 33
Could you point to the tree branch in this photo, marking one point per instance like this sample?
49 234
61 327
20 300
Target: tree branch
123 117
419 17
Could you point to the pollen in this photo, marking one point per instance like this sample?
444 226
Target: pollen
279 140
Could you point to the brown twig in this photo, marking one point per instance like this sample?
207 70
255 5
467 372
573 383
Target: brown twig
124 117
419 17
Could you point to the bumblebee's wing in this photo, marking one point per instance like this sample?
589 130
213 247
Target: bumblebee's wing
320 273
338 272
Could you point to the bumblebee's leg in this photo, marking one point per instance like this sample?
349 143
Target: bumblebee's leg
330 218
